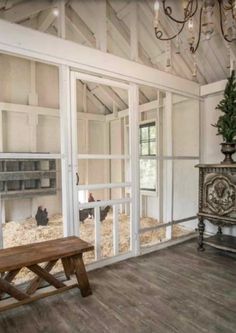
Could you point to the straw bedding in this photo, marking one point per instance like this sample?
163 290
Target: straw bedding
27 231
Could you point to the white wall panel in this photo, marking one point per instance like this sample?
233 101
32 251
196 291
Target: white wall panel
47 85
96 137
17 209
186 128
15 79
82 149
185 188
16 137
211 142
48 134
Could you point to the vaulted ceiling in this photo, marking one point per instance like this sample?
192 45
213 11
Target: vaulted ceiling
83 20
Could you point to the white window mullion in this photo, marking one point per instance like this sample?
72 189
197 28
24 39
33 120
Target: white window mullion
134 115
115 230
168 166
97 233
65 125
74 152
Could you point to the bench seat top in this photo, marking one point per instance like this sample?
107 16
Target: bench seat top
30 254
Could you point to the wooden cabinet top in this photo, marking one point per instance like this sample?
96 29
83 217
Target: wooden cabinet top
221 165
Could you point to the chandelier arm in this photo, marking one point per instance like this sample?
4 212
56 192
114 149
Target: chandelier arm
228 6
221 25
168 11
194 12
191 7
159 34
192 48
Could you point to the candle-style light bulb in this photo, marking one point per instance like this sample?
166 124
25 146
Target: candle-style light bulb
190 25
55 11
234 9
156 5
156 13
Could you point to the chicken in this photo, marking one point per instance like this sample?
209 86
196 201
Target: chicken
104 212
84 214
87 212
91 198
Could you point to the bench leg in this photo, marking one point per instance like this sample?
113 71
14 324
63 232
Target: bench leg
36 282
6 287
9 277
68 267
81 275
42 273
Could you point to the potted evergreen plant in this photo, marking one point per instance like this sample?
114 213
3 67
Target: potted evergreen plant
226 124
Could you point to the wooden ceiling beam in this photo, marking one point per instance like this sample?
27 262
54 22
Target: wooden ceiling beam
9 3
87 34
92 97
124 32
80 26
45 20
25 9
112 95
83 29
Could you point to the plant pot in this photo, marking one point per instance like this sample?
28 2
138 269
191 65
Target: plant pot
228 149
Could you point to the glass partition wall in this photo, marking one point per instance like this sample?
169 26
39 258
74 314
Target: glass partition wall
169 150
30 155
116 167
161 182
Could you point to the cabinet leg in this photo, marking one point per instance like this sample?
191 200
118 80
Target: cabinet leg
201 228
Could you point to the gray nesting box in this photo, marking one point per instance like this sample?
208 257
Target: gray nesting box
27 177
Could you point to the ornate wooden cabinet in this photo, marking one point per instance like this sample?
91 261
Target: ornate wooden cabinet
217 203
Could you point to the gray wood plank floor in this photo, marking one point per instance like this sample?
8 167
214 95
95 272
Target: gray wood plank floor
173 290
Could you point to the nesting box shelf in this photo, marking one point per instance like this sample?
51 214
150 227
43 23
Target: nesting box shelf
27 177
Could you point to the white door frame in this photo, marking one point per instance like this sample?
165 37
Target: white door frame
132 90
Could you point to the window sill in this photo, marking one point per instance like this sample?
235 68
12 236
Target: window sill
148 193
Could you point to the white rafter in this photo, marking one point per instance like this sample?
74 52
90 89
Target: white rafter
25 9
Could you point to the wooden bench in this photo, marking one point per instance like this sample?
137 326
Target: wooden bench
69 249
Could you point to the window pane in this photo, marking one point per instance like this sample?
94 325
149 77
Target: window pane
152 130
144 133
152 148
148 174
144 148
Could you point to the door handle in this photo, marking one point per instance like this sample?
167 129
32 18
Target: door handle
77 178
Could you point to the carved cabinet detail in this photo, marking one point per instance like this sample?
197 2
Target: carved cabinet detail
217 197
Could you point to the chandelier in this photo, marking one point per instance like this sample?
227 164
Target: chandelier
197 17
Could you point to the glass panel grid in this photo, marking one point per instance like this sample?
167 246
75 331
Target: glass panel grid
148 167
